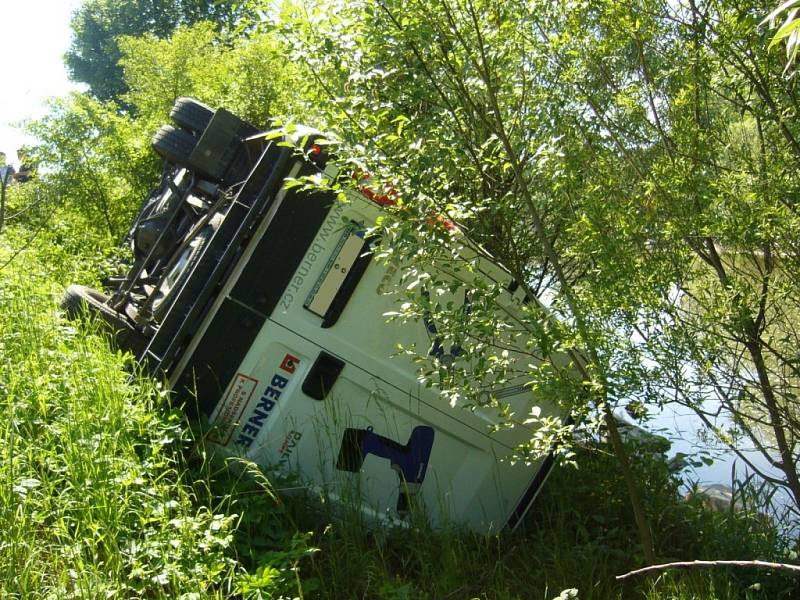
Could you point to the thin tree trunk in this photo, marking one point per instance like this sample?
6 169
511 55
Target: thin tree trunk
645 535
787 464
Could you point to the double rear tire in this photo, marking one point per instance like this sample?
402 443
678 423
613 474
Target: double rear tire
174 145
191 115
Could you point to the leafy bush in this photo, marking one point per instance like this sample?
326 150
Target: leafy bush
94 163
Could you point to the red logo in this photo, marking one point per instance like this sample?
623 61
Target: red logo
289 363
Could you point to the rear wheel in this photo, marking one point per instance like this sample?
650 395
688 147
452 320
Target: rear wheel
178 272
79 300
191 114
174 145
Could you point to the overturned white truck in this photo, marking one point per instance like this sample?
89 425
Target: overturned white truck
261 308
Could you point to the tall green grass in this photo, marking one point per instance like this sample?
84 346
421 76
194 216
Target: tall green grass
106 493
94 500
579 535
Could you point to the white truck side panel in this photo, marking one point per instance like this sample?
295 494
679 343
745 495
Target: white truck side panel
265 414
465 482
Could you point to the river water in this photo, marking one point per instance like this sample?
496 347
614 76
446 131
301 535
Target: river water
689 436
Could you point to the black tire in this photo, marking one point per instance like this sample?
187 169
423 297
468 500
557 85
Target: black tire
79 300
179 270
192 115
174 145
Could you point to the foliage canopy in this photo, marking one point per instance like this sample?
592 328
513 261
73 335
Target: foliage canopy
631 164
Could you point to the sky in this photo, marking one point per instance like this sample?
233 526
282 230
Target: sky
34 35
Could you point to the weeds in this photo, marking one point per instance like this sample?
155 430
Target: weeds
93 498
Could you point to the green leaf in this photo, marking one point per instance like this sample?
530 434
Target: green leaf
785 31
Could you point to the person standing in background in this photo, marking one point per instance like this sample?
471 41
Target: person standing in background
6 176
25 172
6 170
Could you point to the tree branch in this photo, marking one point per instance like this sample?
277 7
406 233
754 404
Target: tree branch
705 564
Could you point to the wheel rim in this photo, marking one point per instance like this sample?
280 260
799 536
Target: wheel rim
175 274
